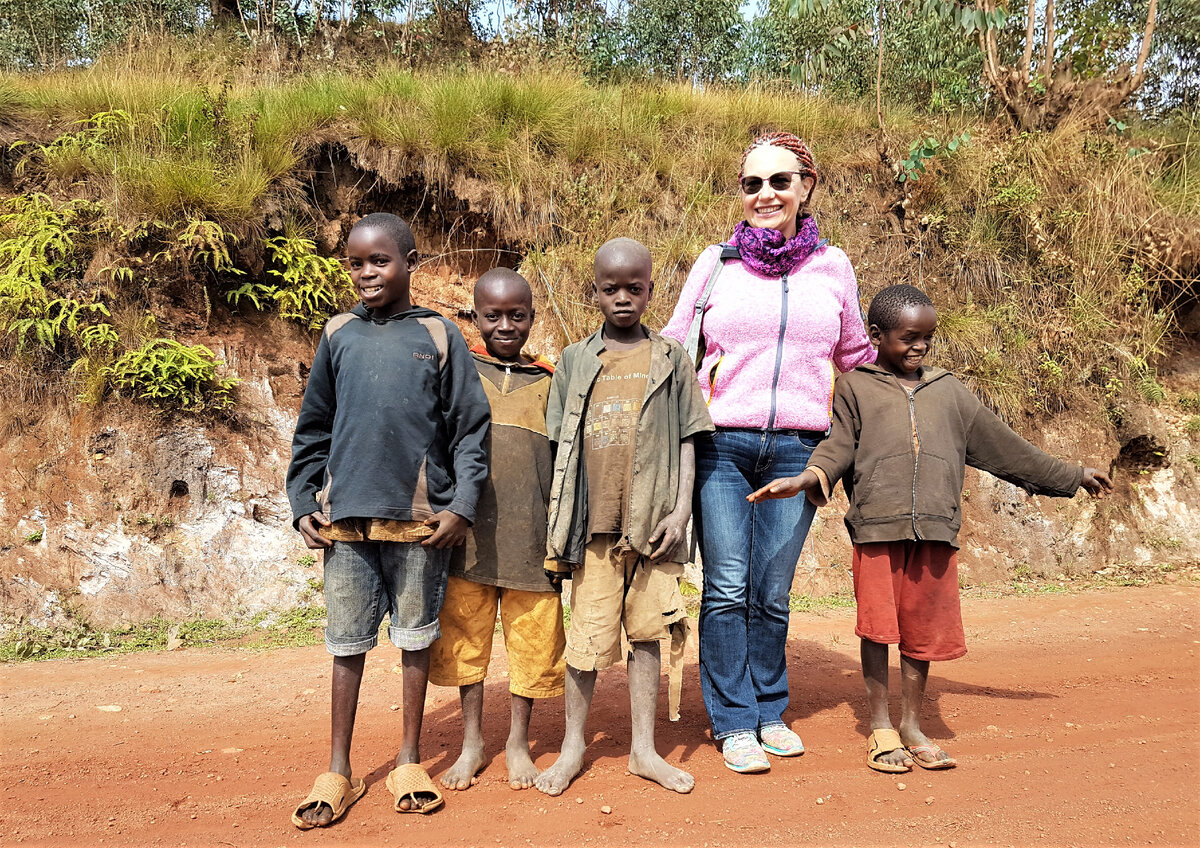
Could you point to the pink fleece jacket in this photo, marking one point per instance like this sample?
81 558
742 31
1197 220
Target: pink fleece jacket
775 345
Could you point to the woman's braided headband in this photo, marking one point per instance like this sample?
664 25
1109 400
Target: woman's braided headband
788 142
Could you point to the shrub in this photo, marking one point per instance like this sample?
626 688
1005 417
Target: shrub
171 375
308 288
37 248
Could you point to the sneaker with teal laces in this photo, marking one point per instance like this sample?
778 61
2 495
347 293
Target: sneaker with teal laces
780 740
743 754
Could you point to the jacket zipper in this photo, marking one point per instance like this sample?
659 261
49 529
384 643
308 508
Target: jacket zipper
912 417
783 316
507 375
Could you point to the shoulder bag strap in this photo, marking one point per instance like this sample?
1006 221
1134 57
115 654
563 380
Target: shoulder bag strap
692 343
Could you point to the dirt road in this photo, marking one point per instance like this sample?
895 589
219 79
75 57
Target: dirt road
1074 719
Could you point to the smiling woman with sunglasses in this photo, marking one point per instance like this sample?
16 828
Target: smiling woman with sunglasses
779 315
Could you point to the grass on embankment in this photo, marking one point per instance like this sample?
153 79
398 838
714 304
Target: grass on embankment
1053 257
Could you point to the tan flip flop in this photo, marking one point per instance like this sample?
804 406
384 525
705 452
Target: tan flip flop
931 750
332 789
410 781
884 741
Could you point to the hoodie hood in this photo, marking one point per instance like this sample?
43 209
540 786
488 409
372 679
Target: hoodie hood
526 364
362 312
927 373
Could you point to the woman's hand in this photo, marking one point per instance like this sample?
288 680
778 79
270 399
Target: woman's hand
310 529
785 487
1096 482
451 530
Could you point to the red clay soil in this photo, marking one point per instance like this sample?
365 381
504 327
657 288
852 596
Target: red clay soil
1073 717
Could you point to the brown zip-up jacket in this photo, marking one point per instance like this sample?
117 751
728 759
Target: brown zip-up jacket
673 410
901 454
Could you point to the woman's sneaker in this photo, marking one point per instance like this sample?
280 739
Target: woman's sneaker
780 740
743 754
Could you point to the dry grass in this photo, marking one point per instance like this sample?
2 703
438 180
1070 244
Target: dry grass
1054 258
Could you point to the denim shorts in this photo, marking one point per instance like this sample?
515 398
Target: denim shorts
366 580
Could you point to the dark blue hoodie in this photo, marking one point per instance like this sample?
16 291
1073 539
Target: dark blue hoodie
393 421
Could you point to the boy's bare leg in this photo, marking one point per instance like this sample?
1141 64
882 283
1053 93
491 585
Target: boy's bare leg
644 761
912 686
462 774
416 682
521 770
875 674
581 685
347 679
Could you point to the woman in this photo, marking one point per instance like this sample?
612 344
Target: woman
779 323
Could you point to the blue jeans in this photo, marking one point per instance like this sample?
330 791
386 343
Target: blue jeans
366 580
749 555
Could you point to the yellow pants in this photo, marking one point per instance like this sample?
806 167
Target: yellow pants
533 637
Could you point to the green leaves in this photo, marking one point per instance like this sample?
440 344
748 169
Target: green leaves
171 375
966 19
922 150
306 288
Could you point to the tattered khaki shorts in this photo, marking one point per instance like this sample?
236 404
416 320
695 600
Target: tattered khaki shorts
616 587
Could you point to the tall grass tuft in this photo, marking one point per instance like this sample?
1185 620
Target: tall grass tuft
1056 259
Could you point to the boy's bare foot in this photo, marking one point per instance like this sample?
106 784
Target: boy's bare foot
463 774
555 780
521 771
655 768
321 814
318 816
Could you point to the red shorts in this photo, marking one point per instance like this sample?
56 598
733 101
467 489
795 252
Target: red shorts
907 594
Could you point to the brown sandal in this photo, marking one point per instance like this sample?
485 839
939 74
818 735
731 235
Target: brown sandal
332 789
932 750
884 741
408 782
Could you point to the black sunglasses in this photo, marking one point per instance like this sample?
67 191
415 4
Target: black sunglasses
779 182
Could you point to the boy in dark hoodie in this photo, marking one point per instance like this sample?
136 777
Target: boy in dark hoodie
387 465
902 434
502 564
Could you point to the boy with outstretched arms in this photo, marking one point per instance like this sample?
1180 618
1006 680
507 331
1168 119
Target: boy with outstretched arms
502 563
624 407
387 464
902 434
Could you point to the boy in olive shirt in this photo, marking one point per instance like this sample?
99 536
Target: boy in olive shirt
624 406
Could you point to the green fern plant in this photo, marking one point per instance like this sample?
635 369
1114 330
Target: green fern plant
36 238
311 288
202 242
48 321
306 288
171 375
37 247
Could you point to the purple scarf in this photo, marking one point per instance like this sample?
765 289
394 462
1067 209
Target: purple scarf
767 252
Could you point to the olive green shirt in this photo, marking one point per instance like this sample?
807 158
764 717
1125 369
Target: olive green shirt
673 410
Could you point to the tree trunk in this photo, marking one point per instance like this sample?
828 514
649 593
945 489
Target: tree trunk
224 11
1059 94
